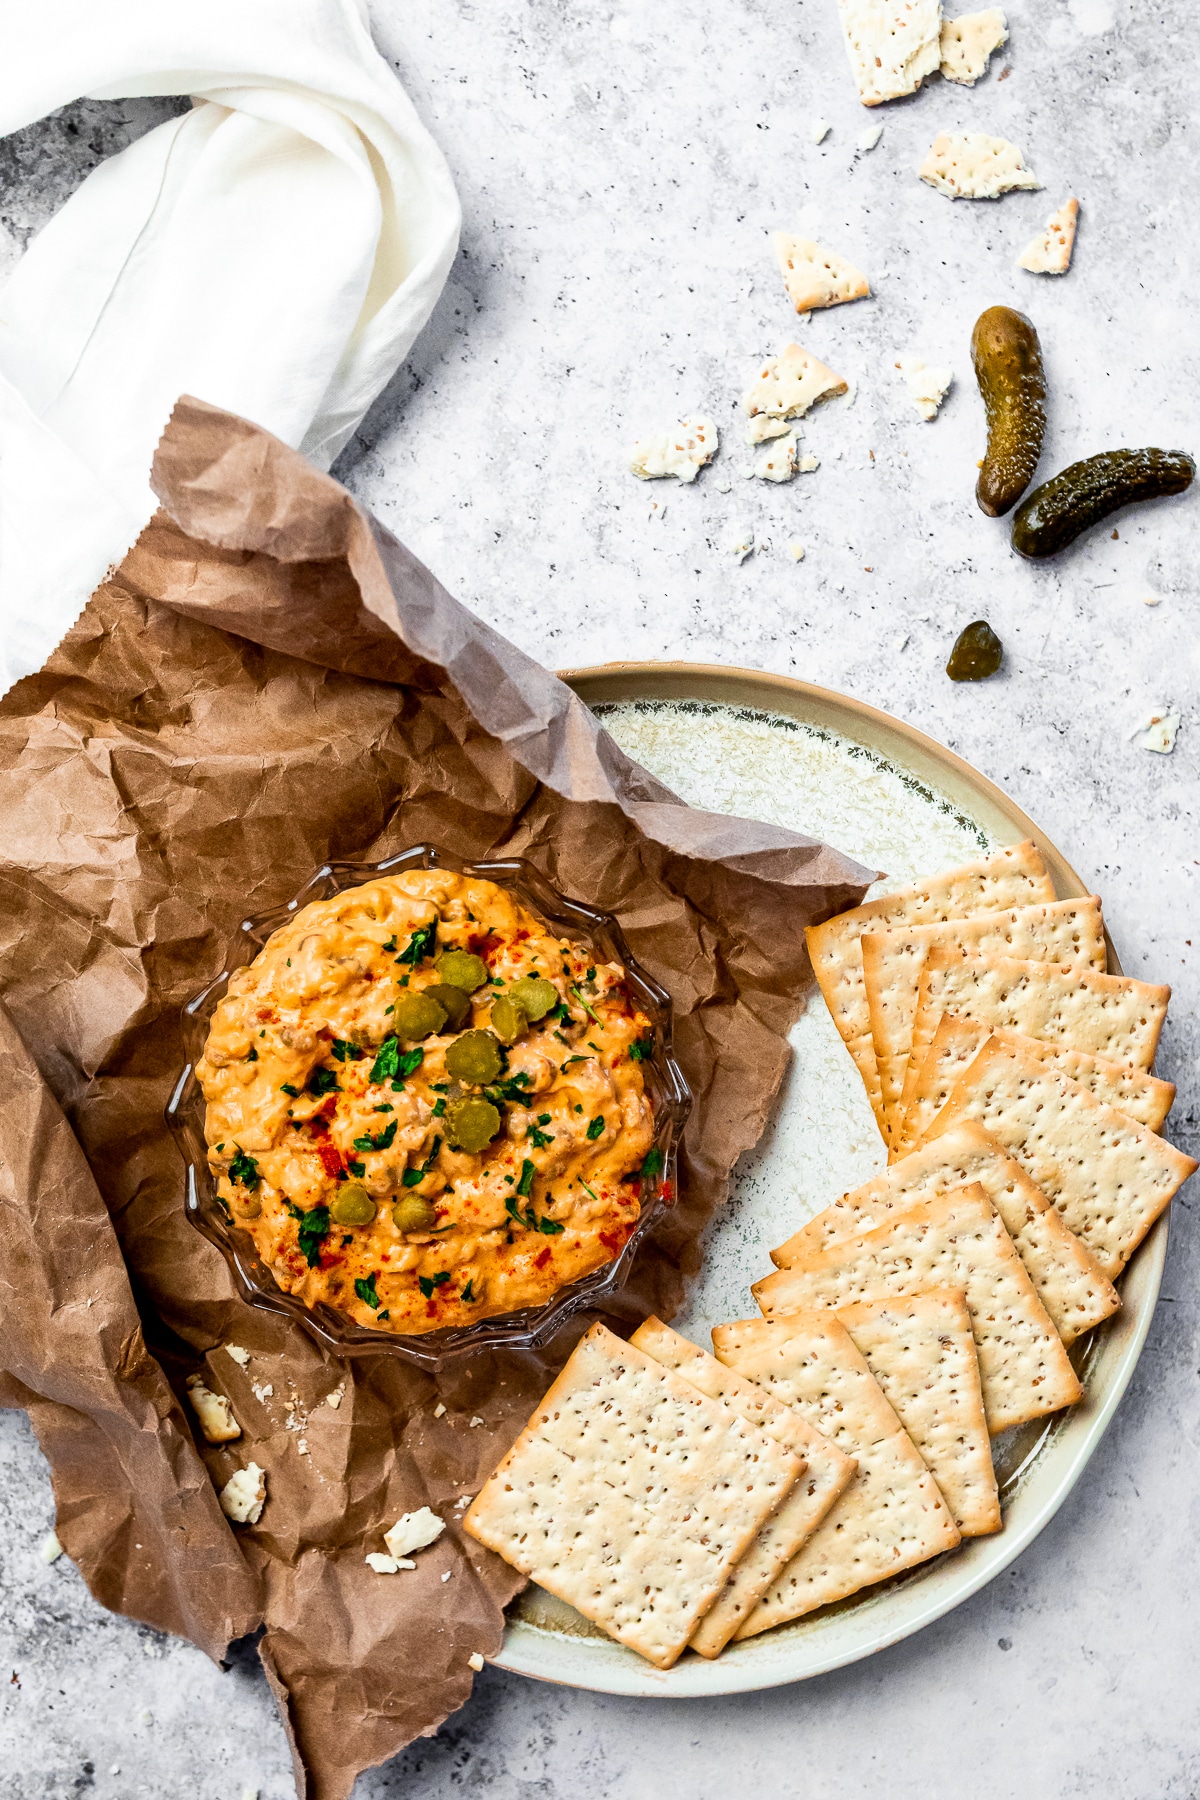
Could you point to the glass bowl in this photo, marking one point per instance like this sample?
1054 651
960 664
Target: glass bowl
525 1330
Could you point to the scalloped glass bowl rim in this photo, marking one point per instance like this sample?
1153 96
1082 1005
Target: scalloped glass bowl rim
531 1328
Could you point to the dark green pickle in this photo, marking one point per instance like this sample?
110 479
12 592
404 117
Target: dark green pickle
1008 368
977 653
1056 513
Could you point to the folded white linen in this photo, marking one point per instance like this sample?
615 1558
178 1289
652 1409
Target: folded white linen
275 251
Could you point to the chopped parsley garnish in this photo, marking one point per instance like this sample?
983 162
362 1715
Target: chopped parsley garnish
527 1174
244 1170
642 1049
314 1229
569 1061
385 1314
410 1062
561 1011
427 1283
357 1169
652 1165
420 944
413 1177
287 1088
587 1009
529 1219
345 1051
381 1140
512 1089
440 1087
366 1291
252 1054
385 1107
468 1292
348 1239
589 1191
387 1059
595 1127
538 1138
323 1081
439 1108
591 974
391 944
592 1046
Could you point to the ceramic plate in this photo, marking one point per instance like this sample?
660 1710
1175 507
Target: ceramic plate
736 741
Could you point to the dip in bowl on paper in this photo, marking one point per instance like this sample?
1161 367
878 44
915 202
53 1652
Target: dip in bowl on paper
426 1108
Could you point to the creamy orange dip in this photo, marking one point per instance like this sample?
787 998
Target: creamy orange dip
413 1168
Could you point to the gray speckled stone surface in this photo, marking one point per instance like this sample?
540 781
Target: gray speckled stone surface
620 171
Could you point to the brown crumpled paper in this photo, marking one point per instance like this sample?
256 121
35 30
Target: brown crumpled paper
269 680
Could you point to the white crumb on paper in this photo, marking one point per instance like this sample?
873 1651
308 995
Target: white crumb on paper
446 1574
387 1565
796 550
413 1531
302 1446
50 1549
927 384
244 1494
464 1500
818 130
475 1661
335 1399
213 1411
807 464
472 1423
1159 729
1151 599
682 451
741 544
763 426
438 1410
262 1390
867 140
240 1356
723 487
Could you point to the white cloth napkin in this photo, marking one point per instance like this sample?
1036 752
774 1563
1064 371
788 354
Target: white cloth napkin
274 251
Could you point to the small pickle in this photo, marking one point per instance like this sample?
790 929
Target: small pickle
977 653
474 1058
1008 368
458 968
509 1019
471 1124
352 1205
454 1001
417 1016
535 995
413 1213
1056 513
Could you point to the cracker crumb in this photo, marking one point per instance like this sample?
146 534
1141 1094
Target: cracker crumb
807 464
741 544
240 1356
438 1410
1151 599
262 1390
927 384
50 1549
244 1495
969 165
475 1661
413 1531
474 1422
446 1574
779 462
867 140
818 130
387 1565
681 451
213 1411
302 1446
1159 729
335 1399
796 550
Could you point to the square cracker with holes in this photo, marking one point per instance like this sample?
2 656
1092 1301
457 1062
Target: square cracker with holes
957 1240
815 277
892 45
631 1495
827 1471
1108 1177
1112 1016
1070 1283
1069 932
956 1044
892 1515
1009 878
921 1351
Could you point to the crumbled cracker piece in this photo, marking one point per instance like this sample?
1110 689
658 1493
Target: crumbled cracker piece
439 1410
968 42
213 1411
1158 729
867 140
50 1549
927 385
741 544
475 1661
969 165
681 451
796 550
779 462
413 1531
815 277
240 1356
387 1565
244 1494
335 1399
892 45
785 387
818 130
1049 253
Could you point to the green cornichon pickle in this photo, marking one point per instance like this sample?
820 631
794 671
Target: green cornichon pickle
352 1205
471 1124
454 1001
977 653
416 1016
1008 368
535 995
458 968
509 1020
413 1213
474 1058
1056 513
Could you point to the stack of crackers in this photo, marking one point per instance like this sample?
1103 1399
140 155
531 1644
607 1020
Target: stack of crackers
680 1499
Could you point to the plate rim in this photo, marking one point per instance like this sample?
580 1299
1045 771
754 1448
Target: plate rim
599 1665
